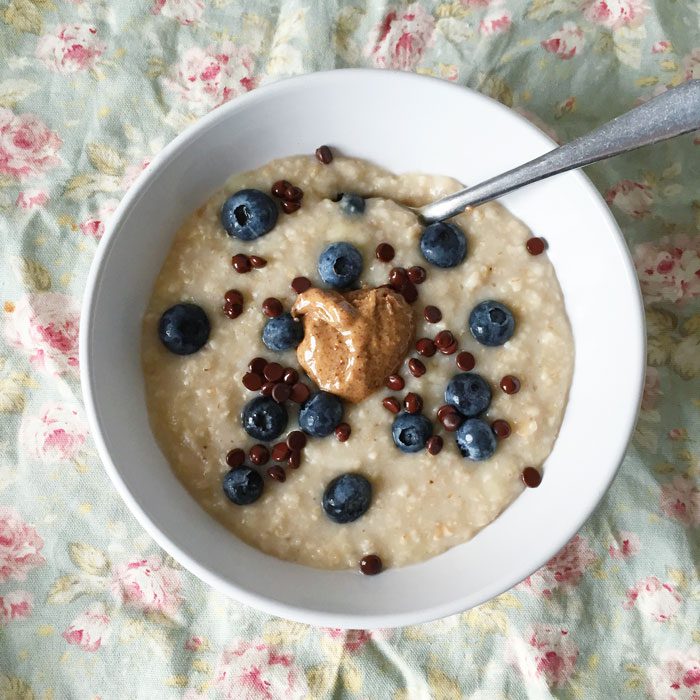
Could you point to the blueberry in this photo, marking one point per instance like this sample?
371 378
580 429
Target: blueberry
264 419
411 431
282 333
184 328
320 415
347 497
491 323
249 214
243 485
475 439
352 204
340 265
444 245
468 393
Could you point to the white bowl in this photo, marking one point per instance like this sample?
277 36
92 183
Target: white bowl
405 123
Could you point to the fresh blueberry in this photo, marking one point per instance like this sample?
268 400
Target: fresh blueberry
444 245
184 328
249 214
340 265
320 415
475 439
352 204
468 393
282 333
411 431
347 497
264 419
243 485
491 323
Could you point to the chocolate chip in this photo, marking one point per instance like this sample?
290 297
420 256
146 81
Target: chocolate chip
425 347
413 403
385 252
259 454
391 404
279 187
535 245
451 421
267 388
257 365
257 262
394 382
417 274
434 444
444 339
280 452
342 432
273 372
510 384
235 458
324 154
294 460
281 392
296 440
277 473
300 393
531 477
241 263
409 292
300 284
371 565
272 308
233 296
444 410
292 194
416 367
465 361
290 376
432 314
252 381
233 310
398 278
501 428
289 207
450 349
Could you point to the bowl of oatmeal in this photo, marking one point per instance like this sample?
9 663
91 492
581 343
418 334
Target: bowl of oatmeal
296 385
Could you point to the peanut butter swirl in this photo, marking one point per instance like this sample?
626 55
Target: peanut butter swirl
353 341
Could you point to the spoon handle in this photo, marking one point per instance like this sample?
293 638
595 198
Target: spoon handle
674 112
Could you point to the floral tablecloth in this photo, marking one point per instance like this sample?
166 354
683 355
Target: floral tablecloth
89 606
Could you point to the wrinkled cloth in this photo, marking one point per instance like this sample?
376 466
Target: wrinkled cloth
89 606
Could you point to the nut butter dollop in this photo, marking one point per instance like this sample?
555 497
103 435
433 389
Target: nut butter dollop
353 341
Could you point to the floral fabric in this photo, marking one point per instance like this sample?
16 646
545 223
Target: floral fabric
89 606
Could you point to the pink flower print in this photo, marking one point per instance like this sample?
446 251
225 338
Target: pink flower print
27 146
627 545
680 500
70 48
194 643
615 14
564 570
184 11
496 22
566 42
678 434
90 630
401 38
253 671
353 640
661 47
20 546
633 198
657 600
676 676
148 584
15 606
669 268
57 434
652 389
45 325
545 653
206 78
131 173
94 227
31 199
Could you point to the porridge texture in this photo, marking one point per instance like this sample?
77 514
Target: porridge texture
422 504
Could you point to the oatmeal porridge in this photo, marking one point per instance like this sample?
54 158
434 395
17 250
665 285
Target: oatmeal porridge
444 356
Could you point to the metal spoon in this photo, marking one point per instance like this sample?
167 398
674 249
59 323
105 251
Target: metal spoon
674 112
